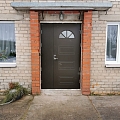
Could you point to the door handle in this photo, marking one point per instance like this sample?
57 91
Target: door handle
55 57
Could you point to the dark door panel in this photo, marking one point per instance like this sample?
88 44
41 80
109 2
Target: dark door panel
61 55
47 55
67 50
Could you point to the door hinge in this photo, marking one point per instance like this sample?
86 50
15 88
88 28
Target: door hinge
41 31
80 32
39 54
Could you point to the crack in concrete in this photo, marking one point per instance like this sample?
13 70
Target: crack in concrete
25 114
99 116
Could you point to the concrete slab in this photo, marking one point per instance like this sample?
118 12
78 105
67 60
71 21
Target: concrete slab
60 5
62 107
107 106
61 92
16 110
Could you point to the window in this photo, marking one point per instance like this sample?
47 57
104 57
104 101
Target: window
113 45
7 44
66 34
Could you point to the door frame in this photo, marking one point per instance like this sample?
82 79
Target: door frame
85 46
72 22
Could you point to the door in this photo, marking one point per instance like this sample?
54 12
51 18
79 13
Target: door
60 56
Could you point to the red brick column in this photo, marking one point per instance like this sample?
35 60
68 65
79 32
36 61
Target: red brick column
86 52
35 49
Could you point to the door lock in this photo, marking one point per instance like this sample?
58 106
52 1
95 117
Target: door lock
55 57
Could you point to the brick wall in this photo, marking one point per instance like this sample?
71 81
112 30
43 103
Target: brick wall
102 79
86 52
22 73
35 50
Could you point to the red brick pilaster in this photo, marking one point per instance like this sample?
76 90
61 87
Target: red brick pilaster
35 49
86 52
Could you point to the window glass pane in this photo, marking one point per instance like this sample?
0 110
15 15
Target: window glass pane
112 32
7 42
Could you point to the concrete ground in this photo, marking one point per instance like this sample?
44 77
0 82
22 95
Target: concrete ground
16 110
63 105
107 106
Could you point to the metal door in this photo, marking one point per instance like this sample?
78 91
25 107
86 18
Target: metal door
60 56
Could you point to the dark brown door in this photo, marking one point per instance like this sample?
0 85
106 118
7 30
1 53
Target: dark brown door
60 56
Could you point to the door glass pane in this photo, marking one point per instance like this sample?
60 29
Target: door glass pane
68 33
112 32
64 33
61 36
71 36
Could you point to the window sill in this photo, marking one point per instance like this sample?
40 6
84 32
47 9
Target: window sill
112 65
7 65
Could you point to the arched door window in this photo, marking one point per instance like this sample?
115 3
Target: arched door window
66 34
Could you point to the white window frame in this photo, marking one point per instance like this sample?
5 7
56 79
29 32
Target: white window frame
7 64
117 62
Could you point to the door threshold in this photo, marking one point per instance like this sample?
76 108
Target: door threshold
61 92
60 89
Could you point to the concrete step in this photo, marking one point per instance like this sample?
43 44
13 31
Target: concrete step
61 92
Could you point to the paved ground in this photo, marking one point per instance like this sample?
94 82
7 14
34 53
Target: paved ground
16 110
107 106
63 105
